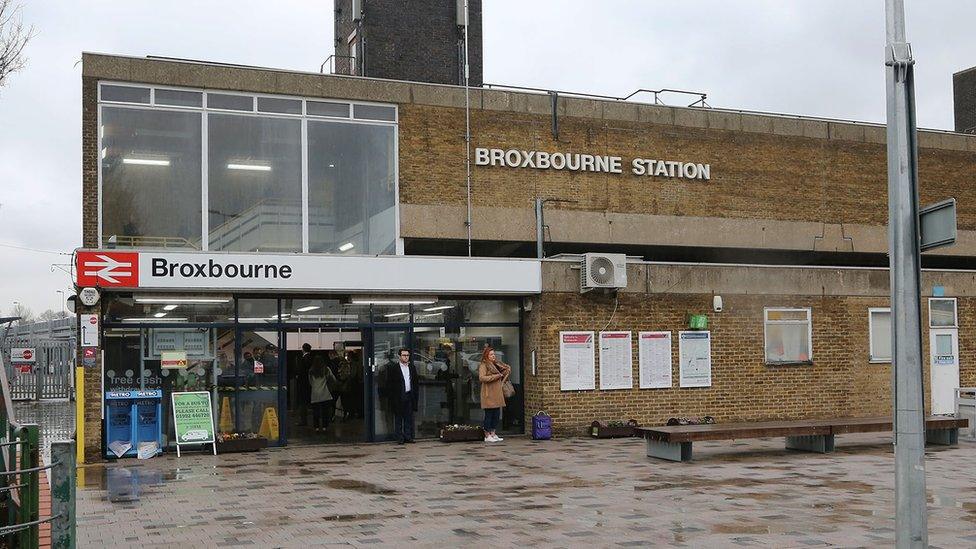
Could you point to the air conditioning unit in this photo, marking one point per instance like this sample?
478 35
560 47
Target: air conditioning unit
603 271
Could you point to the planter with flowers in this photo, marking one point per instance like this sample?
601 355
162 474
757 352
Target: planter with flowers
462 433
240 442
613 429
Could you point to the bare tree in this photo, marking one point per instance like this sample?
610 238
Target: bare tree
51 314
23 311
13 39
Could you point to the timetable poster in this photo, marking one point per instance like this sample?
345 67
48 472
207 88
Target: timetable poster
654 358
577 361
695 359
616 360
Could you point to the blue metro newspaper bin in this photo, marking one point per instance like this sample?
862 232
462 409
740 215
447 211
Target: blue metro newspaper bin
132 417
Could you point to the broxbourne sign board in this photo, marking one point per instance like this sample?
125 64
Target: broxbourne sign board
576 162
315 272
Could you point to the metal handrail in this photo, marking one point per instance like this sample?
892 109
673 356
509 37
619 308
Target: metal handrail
330 60
14 528
657 93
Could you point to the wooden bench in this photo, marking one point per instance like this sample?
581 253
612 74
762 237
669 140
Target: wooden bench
673 442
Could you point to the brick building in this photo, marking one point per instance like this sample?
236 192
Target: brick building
233 214
964 100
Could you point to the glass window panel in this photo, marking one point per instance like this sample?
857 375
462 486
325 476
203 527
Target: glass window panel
277 104
126 94
447 364
327 108
787 343
151 180
943 344
942 313
786 315
230 102
881 335
255 183
374 112
397 314
352 188
179 98
322 310
159 309
257 310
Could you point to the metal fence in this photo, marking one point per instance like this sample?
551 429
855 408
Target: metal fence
51 373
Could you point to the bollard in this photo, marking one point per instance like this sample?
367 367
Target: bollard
63 494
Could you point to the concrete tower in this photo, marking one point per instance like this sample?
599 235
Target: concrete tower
964 100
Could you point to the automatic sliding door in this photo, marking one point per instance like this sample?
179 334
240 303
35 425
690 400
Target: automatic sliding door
385 343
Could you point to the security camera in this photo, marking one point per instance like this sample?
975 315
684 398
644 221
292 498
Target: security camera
717 303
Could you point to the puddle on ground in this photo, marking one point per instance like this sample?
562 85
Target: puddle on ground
360 486
358 517
736 528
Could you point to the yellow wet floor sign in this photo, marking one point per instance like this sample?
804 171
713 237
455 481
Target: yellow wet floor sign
269 424
226 416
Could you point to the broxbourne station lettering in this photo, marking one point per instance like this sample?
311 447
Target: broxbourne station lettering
212 269
577 162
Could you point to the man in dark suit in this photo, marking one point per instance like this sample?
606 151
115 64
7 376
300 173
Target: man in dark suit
402 392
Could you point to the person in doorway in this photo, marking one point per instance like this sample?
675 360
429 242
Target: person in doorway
402 391
303 388
492 373
319 380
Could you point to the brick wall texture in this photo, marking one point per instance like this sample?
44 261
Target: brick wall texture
964 100
841 382
753 175
415 41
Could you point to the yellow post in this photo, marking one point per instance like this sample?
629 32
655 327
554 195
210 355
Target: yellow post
80 413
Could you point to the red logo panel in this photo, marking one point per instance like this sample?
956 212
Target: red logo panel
108 269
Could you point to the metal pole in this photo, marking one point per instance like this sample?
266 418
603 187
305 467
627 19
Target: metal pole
539 228
63 494
467 124
909 423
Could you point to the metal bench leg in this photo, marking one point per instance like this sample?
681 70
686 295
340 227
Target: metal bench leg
945 437
671 451
822 444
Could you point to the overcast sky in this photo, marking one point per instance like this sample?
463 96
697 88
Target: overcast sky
812 57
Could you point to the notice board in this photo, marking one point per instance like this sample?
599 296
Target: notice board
695 359
577 368
616 360
654 358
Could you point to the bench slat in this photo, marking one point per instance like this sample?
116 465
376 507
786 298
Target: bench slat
762 429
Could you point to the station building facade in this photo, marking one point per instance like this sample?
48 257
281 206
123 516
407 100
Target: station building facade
236 213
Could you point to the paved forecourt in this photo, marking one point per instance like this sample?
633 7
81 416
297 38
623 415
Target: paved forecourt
564 493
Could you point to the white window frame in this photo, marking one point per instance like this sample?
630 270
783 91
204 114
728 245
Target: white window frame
205 110
871 357
955 312
767 322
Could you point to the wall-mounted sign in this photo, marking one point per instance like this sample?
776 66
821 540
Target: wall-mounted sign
576 162
173 359
695 359
89 356
89 330
577 368
654 357
616 361
311 272
23 355
88 296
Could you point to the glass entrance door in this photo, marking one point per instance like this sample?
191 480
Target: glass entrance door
327 385
384 344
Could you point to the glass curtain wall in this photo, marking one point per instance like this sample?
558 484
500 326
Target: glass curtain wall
151 178
252 194
241 362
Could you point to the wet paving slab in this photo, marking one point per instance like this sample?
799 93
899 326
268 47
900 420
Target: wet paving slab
561 493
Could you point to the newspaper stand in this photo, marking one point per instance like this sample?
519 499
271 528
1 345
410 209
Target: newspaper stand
133 417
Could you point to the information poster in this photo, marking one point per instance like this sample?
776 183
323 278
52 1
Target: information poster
695 359
654 358
616 360
193 419
577 361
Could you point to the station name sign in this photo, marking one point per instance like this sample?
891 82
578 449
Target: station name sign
192 270
577 162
